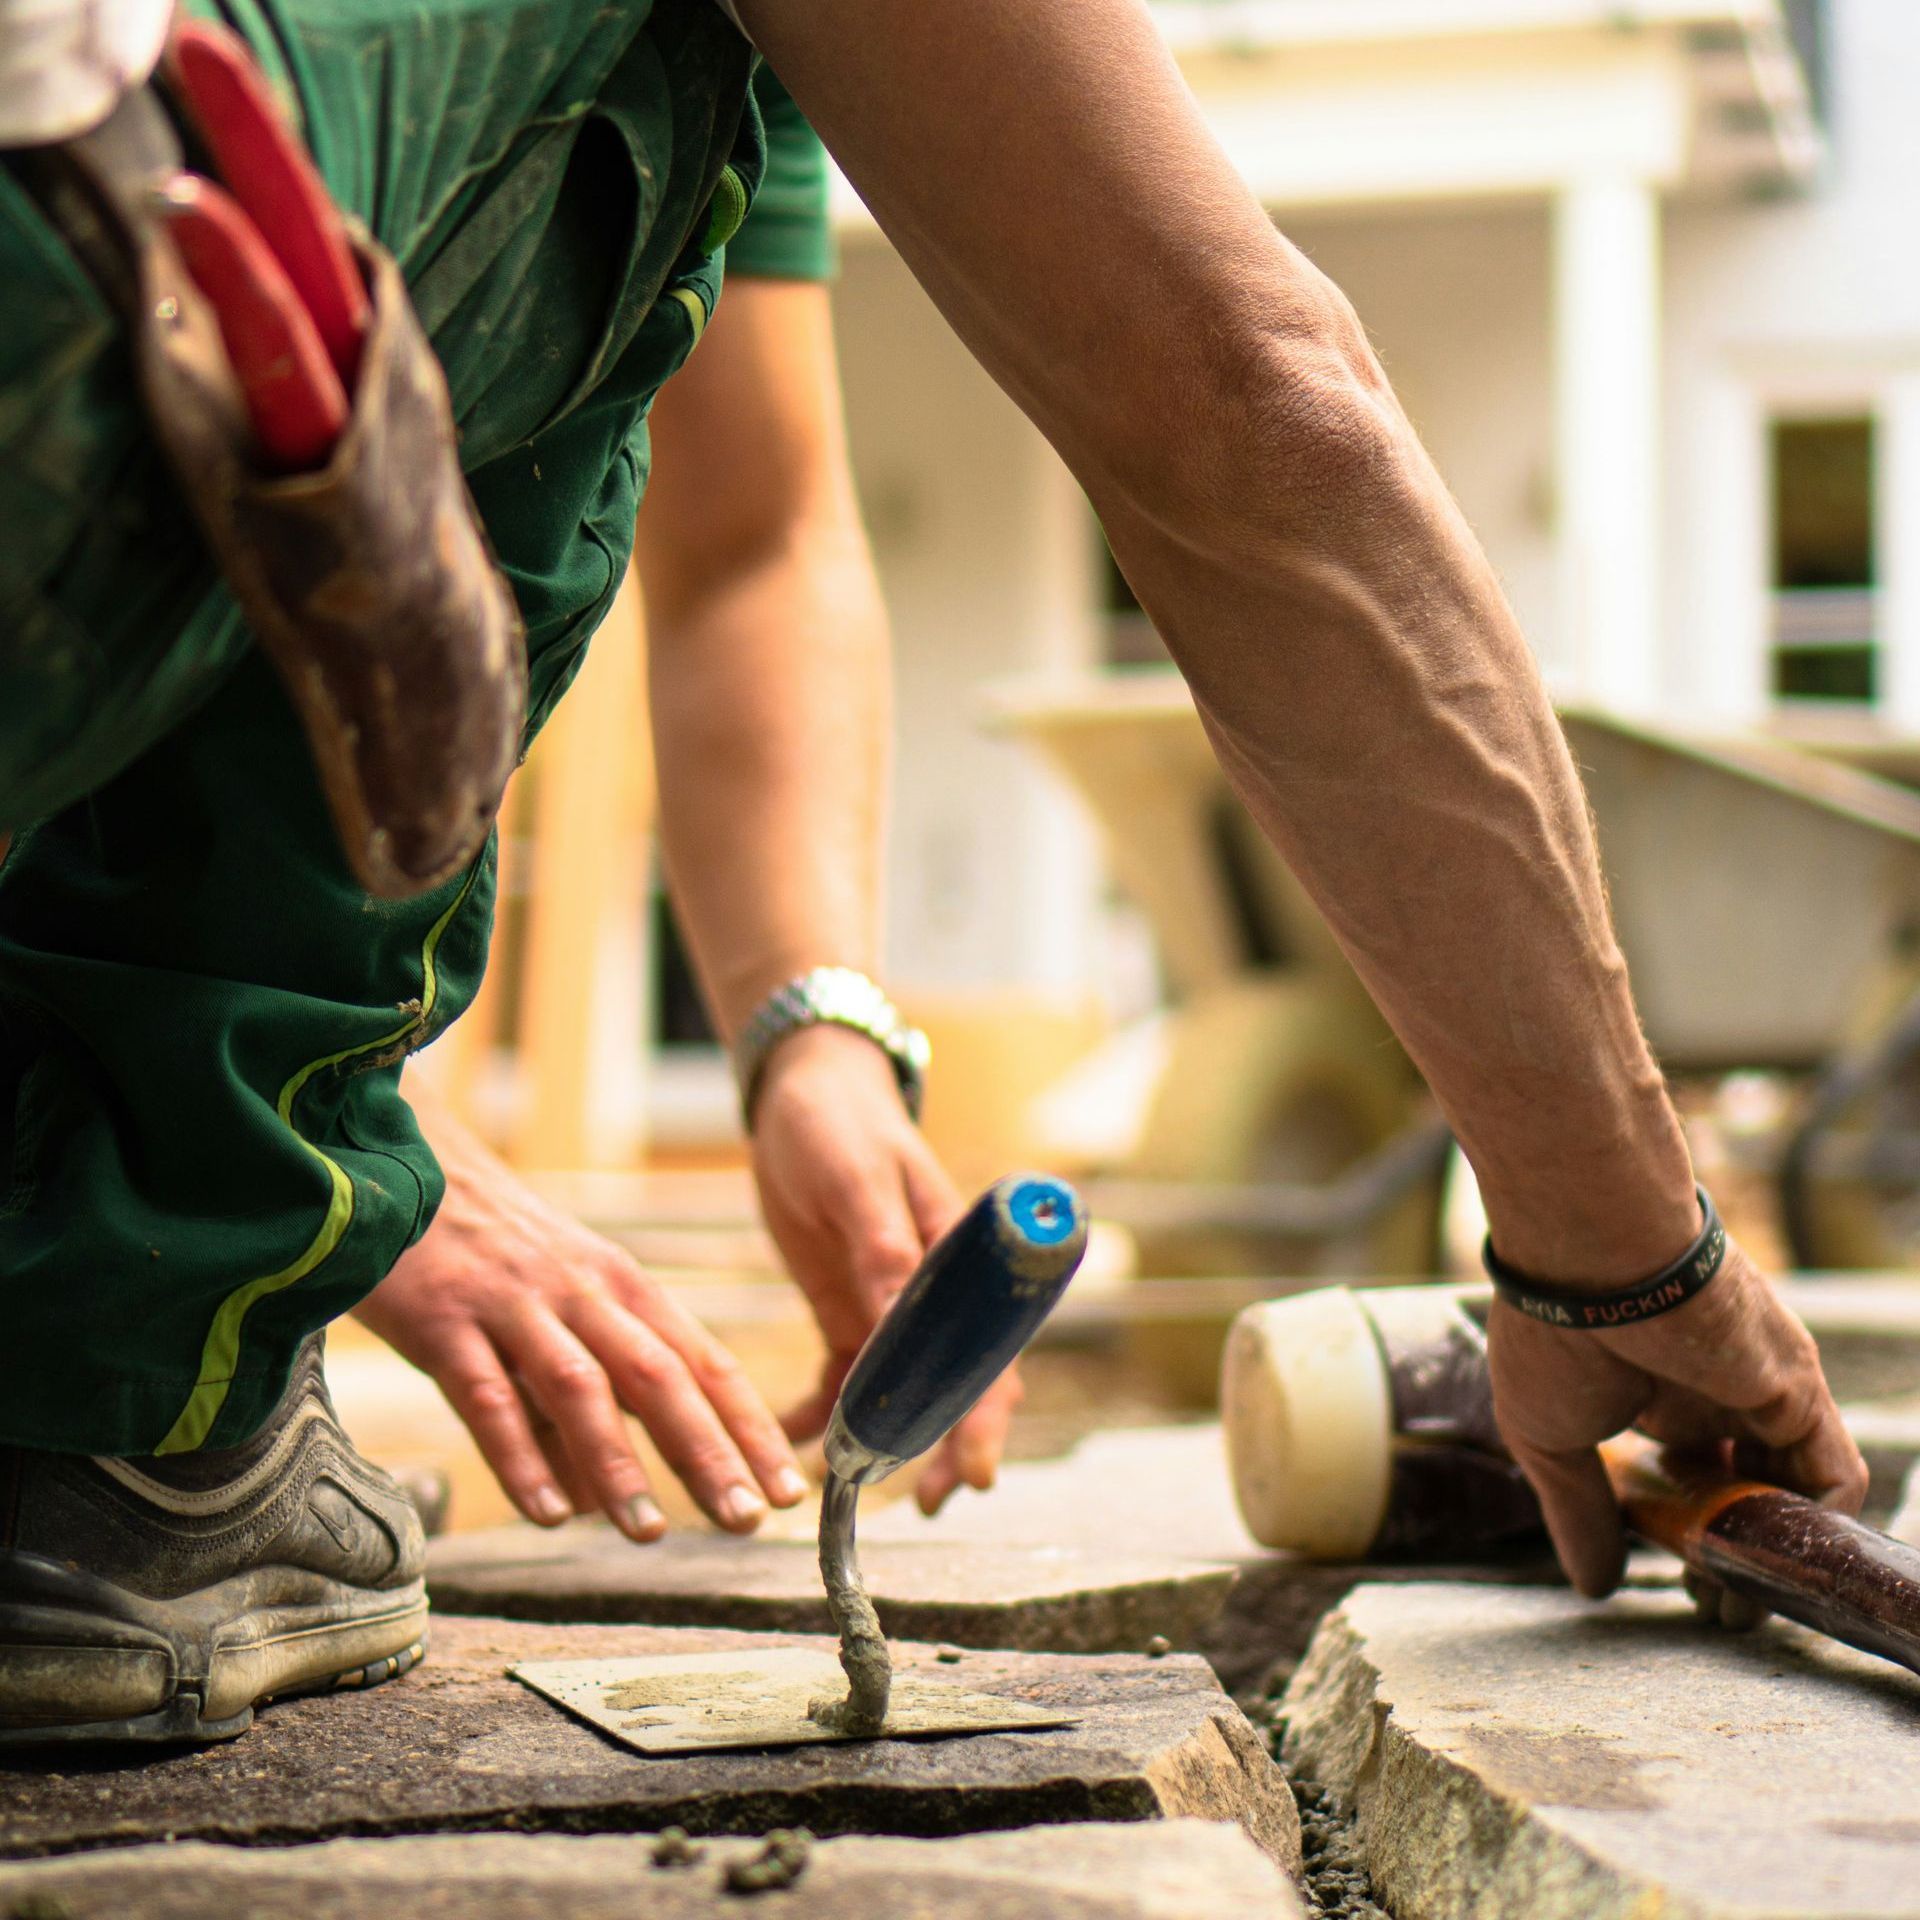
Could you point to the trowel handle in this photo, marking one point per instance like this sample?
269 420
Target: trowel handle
976 1299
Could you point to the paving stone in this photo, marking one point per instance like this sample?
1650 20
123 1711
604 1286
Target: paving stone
1159 1489
1170 1486
1515 1755
1053 1598
456 1745
1171 1870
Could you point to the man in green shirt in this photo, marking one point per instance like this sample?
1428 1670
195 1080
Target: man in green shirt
203 1017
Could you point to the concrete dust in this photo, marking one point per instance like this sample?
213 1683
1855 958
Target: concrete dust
863 1647
673 1849
1333 1877
1337 1883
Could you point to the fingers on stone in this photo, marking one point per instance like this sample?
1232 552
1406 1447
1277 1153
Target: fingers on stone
1582 1515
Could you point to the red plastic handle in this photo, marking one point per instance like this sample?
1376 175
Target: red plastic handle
269 172
295 400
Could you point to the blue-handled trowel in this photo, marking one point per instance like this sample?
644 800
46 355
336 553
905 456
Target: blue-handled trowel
974 1302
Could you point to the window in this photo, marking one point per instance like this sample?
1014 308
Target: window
1824 632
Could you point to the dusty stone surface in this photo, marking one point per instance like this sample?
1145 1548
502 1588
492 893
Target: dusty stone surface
456 1745
1515 1755
1051 1598
1174 1870
1171 1485
1163 1490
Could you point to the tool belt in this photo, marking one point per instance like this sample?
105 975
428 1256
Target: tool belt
296 396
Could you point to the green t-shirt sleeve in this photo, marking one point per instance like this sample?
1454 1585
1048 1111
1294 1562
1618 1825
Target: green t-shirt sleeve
787 234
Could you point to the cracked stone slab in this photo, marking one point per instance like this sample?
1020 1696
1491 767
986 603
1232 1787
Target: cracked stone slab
1515 1755
456 1745
1172 1870
1044 1597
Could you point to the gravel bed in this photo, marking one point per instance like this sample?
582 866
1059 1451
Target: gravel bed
1337 1885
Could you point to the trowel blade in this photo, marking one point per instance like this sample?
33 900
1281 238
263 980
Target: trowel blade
715 1702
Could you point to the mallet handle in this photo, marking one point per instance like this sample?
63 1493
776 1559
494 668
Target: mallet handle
1781 1550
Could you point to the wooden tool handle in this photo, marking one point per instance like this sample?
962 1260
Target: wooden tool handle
1787 1553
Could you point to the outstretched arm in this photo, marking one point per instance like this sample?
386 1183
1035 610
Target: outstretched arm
1047 176
768 657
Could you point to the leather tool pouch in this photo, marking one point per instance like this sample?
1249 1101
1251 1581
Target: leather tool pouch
369 582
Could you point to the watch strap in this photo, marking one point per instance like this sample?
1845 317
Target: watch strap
836 997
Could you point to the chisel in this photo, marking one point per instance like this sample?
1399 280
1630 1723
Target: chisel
973 1303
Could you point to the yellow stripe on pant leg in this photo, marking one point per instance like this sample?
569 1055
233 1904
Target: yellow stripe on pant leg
220 1357
696 309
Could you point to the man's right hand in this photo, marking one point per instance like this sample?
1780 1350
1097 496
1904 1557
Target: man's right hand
1731 1371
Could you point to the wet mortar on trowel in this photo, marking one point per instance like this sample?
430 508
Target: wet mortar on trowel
863 1647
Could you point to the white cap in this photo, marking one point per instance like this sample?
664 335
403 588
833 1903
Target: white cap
65 64
1308 1413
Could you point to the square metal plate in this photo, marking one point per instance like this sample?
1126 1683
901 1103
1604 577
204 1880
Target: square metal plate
714 1702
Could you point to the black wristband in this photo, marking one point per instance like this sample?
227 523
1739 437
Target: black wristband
1581 1312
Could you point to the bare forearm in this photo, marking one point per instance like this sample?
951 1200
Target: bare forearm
1372 701
1348 644
770 702
767 652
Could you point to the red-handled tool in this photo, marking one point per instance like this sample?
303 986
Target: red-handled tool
268 171
1778 1549
294 398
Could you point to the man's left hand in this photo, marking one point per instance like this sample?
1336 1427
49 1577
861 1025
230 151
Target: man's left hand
853 1196
1730 1373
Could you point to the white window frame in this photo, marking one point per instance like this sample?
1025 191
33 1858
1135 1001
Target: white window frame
1795 704
1754 388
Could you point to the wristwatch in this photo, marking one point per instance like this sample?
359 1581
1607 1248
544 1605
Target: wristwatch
831 997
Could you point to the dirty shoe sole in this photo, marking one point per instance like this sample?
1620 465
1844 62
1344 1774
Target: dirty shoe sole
84 1660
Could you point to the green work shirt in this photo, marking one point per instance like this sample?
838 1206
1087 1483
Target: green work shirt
788 234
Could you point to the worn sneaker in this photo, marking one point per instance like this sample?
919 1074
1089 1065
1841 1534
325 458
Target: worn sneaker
163 1599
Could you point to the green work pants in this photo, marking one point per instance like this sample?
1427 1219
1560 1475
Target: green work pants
204 1153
